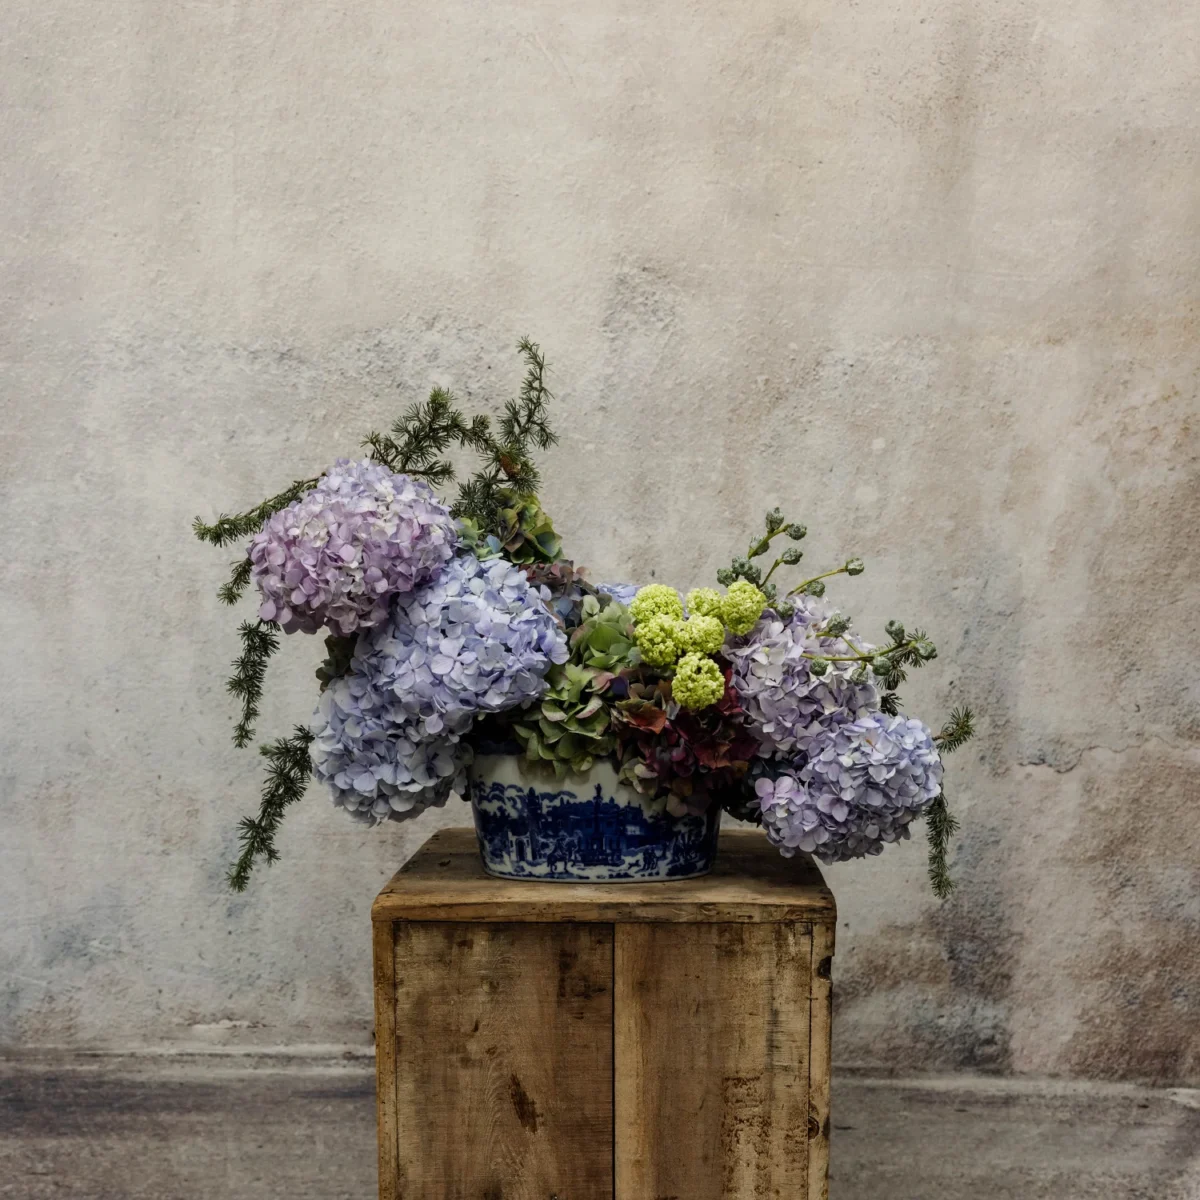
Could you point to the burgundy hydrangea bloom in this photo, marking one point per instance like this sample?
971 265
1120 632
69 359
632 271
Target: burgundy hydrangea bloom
699 758
337 556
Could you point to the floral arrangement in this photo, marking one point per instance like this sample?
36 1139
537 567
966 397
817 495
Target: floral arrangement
454 627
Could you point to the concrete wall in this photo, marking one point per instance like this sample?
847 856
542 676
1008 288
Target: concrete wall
925 273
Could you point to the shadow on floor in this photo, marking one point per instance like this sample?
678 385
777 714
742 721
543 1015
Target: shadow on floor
208 1129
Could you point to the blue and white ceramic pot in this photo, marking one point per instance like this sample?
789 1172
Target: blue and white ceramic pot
582 829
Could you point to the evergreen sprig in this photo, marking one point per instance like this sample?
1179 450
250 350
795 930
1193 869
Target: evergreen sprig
508 468
226 529
260 639
424 432
958 730
239 580
287 778
941 824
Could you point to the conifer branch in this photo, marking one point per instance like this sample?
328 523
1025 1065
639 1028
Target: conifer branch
941 825
508 468
525 419
239 580
287 778
960 728
259 641
417 439
226 529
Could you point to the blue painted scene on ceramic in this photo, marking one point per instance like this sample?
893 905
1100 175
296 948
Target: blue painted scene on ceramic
583 829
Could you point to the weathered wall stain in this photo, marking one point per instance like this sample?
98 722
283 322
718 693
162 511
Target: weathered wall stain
925 276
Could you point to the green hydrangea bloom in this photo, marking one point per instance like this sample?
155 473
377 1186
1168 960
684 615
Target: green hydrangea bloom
658 638
742 606
704 602
656 599
704 635
698 682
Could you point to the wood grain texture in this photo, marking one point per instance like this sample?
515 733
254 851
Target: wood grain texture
711 1062
503 1061
385 1055
445 881
820 1039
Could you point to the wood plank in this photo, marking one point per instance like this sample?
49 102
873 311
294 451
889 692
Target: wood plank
503 1061
385 1055
712 1064
445 881
819 1066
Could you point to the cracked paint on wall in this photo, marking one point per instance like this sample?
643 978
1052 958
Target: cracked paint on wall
925 275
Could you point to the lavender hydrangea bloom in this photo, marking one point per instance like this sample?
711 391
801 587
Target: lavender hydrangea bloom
786 703
863 783
478 638
337 555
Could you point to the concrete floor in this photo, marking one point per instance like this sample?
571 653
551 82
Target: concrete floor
208 1129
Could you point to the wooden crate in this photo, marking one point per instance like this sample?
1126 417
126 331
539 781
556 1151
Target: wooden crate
659 1041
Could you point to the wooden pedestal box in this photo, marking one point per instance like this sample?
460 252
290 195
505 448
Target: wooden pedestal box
554 1041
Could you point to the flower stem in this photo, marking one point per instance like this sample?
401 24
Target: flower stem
862 657
828 574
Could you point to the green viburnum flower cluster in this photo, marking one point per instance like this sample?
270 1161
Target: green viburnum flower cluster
698 681
742 606
705 602
656 600
660 640
702 635
665 639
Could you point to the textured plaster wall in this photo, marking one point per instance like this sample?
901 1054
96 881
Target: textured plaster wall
923 272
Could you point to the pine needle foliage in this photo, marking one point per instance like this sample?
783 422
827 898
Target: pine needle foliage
508 468
416 441
239 580
226 529
959 729
260 639
941 824
288 773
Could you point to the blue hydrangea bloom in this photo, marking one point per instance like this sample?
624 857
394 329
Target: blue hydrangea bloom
337 555
376 768
863 783
477 638
622 593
